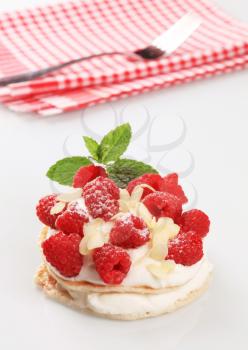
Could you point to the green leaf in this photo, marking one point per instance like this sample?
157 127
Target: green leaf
64 170
92 146
125 170
115 143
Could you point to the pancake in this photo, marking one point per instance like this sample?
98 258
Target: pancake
54 290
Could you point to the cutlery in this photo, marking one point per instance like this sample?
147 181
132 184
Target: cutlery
164 44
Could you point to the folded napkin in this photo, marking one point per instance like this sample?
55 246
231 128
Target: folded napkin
37 38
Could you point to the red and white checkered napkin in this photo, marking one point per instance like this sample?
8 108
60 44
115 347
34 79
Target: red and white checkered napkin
41 37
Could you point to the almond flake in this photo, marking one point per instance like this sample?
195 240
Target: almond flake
159 251
148 186
144 213
57 208
124 195
161 231
83 246
123 205
96 233
70 196
95 241
117 216
137 193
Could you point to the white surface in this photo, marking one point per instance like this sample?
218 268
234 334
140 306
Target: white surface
215 114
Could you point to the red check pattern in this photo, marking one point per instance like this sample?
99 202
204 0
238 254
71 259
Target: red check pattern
37 38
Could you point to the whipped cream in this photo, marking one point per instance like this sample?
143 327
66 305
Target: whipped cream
138 275
139 304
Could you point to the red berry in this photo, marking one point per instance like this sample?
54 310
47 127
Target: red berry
163 204
129 232
170 185
43 209
62 252
86 174
153 180
112 263
185 249
72 220
102 198
195 220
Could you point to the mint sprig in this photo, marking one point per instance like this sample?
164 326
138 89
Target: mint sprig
125 170
93 147
108 153
115 143
64 170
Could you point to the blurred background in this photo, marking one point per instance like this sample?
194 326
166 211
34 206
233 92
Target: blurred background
235 7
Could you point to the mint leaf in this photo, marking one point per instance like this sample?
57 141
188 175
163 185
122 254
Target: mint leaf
64 170
125 170
115 143
92 146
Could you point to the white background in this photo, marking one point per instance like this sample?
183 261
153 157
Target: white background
215 113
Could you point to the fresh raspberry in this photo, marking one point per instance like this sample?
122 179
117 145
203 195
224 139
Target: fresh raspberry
86 174
62 252
112 263
185 249
72 220
101 198
195 220
129 232
153 180
163 204
170 185
43 209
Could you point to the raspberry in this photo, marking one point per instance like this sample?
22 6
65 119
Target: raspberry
86 174
163 204
129 232
185 249
62 252
101 198
43 209
170 185
195 220
112 263
153 180
72 220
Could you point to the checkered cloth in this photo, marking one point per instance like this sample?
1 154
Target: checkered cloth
37 38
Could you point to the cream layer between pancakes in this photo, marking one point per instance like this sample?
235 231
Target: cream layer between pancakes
138 274
138 305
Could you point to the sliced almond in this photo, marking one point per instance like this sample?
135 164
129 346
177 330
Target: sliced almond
148 186
70 196
83 246
144 213
57 208
96 233
124 195
137 193
95 241
159 251
92 226
167 226
123 206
